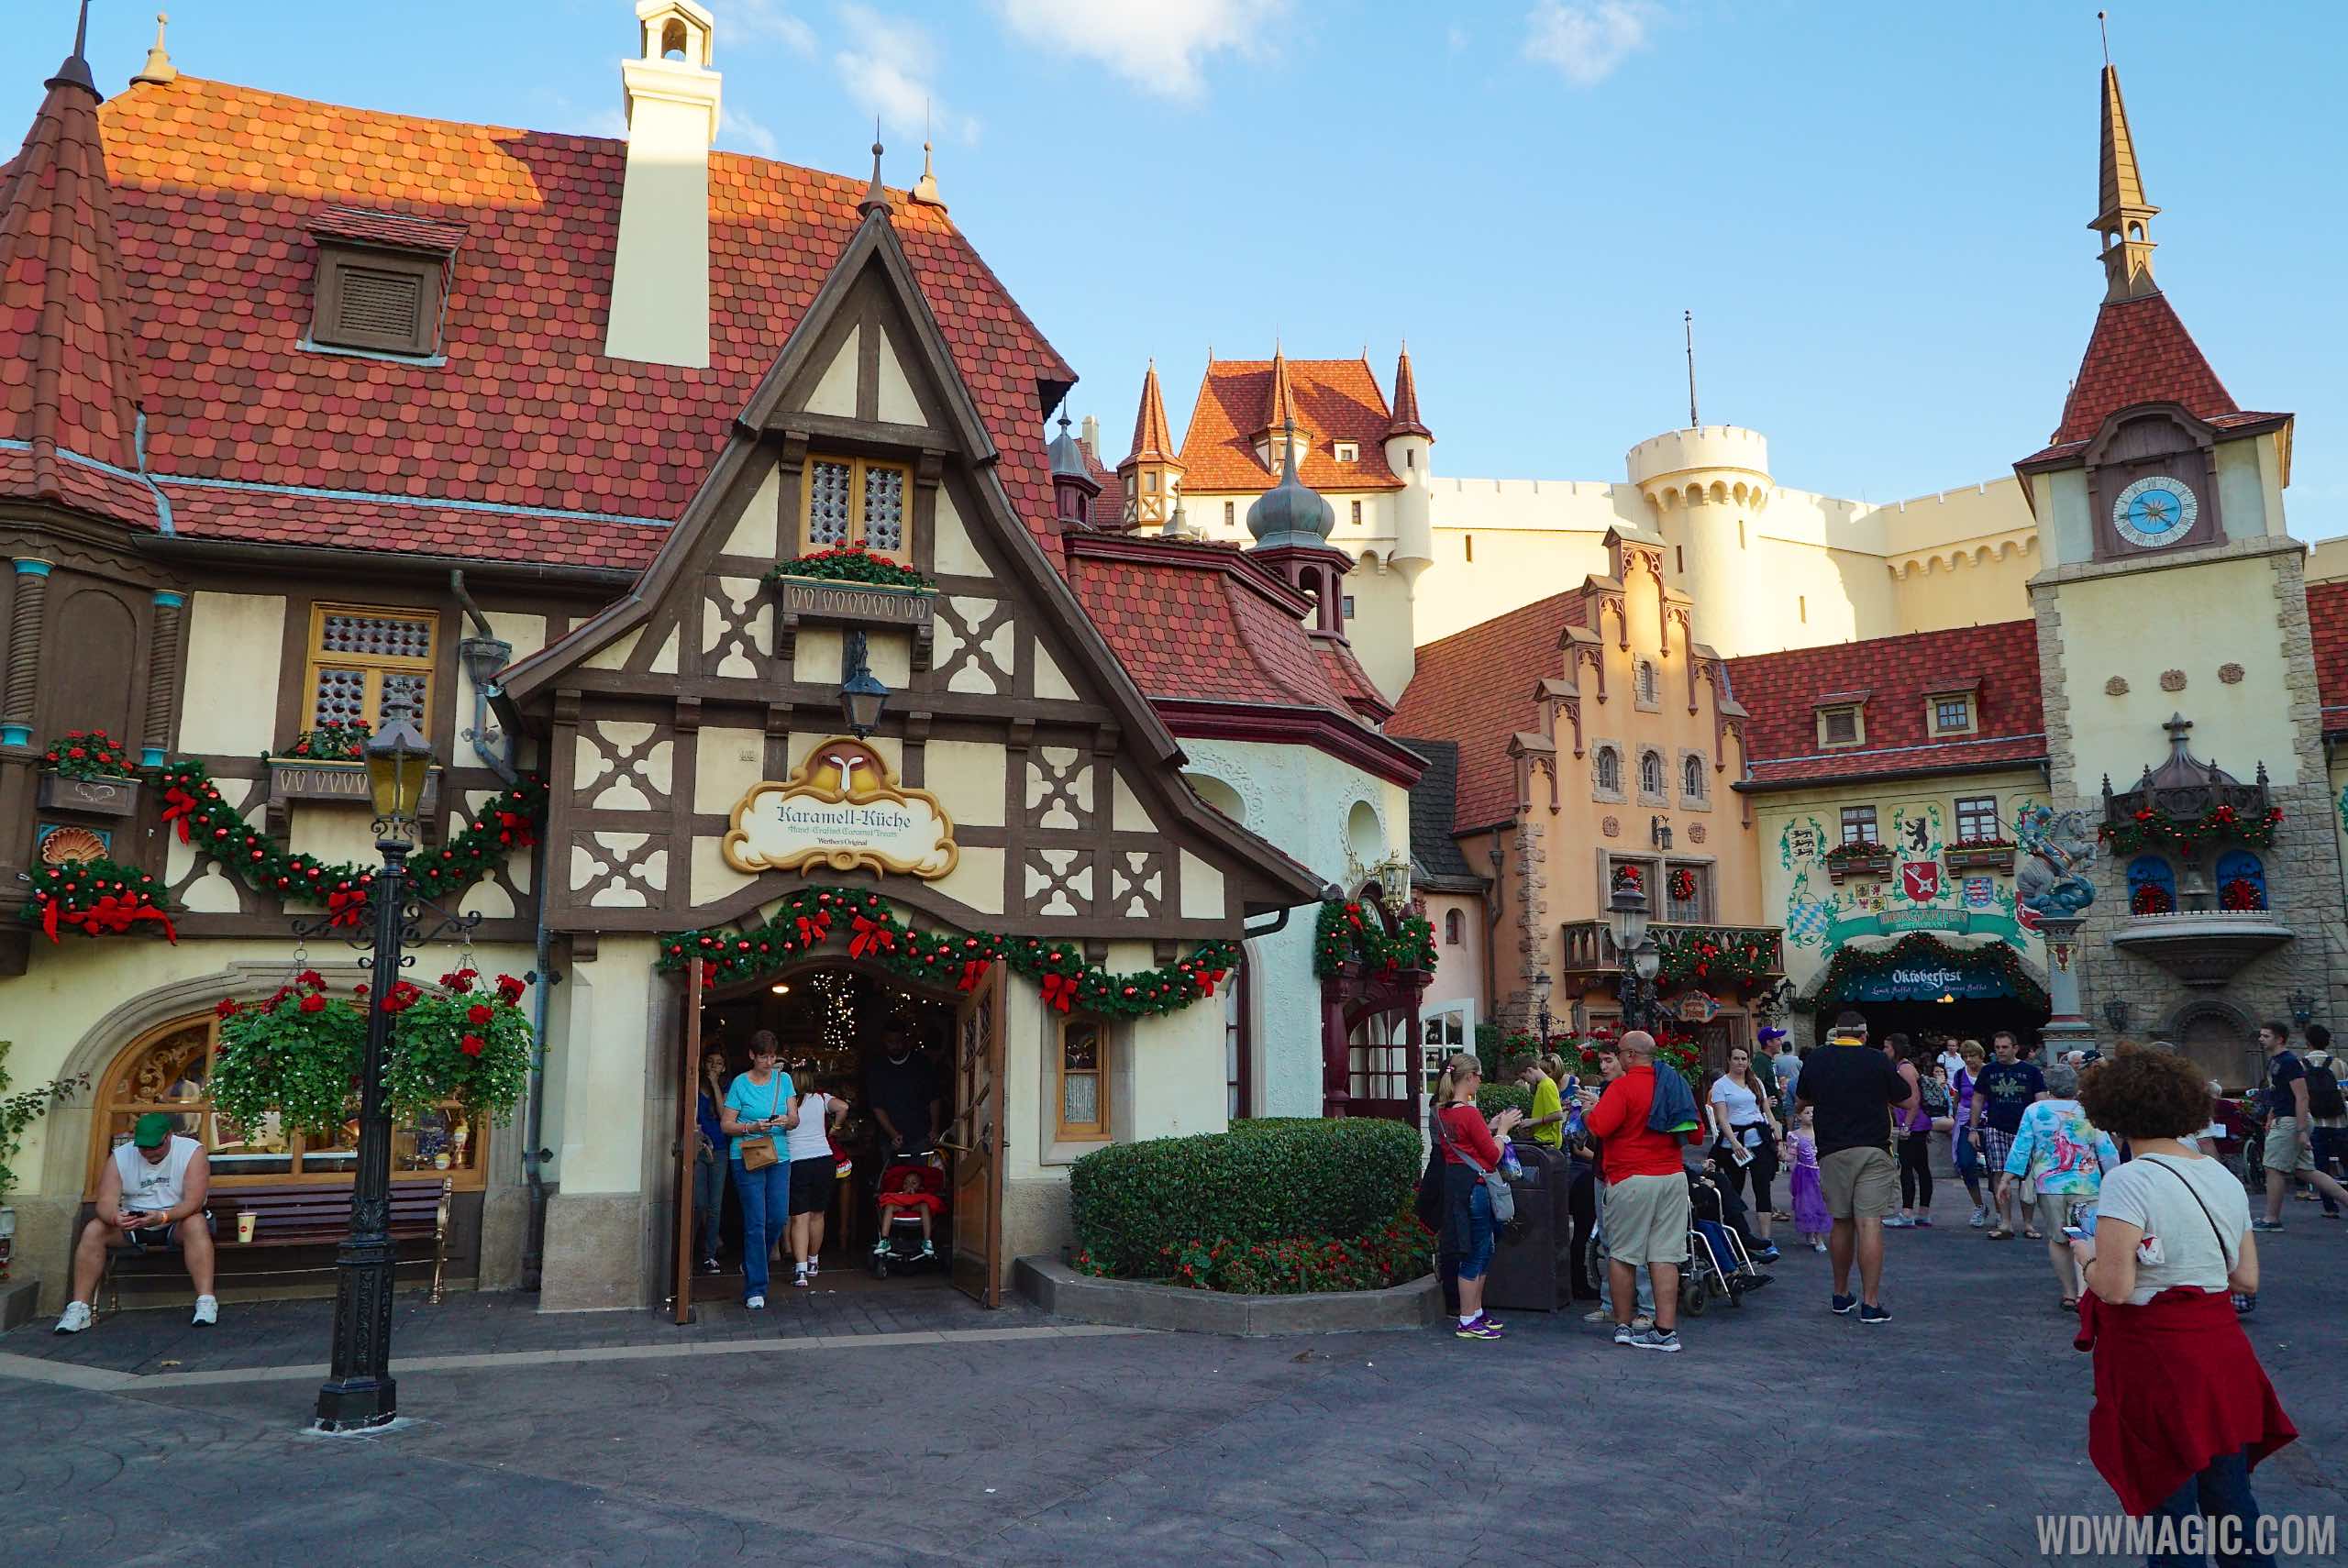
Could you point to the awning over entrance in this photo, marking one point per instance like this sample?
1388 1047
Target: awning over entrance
1922 968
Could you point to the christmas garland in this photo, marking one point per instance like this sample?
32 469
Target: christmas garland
88 754
1713 955
1922 947
208 823
97 897
1346 933
851 563
815 915
2148 828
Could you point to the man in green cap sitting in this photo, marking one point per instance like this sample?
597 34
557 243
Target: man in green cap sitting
150 1194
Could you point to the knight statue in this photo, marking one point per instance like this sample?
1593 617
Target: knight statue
2060 849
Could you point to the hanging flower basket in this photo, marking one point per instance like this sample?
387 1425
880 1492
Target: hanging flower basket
1861 857
462 1043
328 742
88 771
296 1054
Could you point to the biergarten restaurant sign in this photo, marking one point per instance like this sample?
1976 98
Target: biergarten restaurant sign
842 808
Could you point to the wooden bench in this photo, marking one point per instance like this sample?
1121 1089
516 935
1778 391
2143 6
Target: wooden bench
296 1216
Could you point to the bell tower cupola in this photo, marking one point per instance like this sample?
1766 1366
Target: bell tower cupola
2123 217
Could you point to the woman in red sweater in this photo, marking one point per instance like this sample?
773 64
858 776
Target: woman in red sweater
1470 1148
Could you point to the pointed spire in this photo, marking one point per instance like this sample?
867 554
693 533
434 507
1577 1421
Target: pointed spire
2123 215
876 194
63 318
1406 401
925 191
159 68
1279 403
1152 441
75 72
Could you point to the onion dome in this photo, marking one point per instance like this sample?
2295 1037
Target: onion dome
1068 457
1291 512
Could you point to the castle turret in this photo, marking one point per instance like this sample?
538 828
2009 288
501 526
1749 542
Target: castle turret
1150 473
1707 487
1408 444
1291 523
1073 486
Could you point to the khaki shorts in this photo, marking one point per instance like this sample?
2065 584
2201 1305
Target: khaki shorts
2284 1152
1859 1184
1646 1219
2054 1210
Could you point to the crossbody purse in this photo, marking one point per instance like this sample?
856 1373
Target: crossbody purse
759 1152
1504 1198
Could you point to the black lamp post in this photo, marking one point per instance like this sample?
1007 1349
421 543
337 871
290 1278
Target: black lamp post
360 1392
1641 961
862 697
1541 1006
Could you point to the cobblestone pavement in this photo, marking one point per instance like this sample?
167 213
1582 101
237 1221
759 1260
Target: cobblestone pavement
1802 1437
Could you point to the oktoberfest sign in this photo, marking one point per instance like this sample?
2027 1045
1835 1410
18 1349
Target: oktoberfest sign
842 808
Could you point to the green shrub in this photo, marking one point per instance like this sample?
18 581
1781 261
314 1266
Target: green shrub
1493 1098
1296 1265
1262 1181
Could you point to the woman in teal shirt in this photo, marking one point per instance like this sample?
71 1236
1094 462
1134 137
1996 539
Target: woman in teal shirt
760 1105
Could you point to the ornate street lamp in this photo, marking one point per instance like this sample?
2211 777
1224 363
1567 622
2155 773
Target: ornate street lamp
360 1392
862 697
1393 874
1641 959
1541 1005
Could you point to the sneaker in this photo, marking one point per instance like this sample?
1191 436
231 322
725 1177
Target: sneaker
814 1266
1481 1328
2266 1227
881 1246
1897 1222
1768 1252
1622 1334
798 1278
928 1251
1874 1314
1663 1340
1981 1218
1599 1315
1923 1221
74 1318
207 1312
1843 1304
756 1303
1642 1323
1818 1246
709 1265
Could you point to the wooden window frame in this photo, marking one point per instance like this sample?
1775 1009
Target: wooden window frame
858 467
1997 823
373 666
1063 1130
1843 819
1660 795
1346 452
1694 764
337 261
1932 705
1239 1046
1858 726
1705 893
104 1108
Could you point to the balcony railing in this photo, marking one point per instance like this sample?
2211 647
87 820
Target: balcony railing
1590 951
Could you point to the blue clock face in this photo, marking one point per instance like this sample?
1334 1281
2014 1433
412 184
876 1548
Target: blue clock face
2155 512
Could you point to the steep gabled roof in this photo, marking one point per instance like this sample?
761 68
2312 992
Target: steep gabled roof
526 442
69 380
1335 400
1153 443
1441 867
1406 401
1479 687
2139 353
2328 620
1895 676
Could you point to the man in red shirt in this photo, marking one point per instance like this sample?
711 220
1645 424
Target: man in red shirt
1646 1197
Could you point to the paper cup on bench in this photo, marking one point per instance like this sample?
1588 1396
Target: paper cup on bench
246 1222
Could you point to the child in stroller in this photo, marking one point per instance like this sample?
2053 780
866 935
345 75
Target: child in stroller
911 1197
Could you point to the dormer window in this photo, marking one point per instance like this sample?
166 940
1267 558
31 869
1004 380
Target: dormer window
1347 452
1951 709
1841 718
381 282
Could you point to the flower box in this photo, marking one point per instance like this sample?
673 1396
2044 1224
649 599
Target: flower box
1979 856
1857 860
107 796
299 779
830 601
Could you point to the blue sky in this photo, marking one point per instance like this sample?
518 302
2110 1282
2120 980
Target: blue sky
1877 211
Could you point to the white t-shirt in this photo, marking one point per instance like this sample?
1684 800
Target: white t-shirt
808 1140
2180 1245
151 1189
1739 1107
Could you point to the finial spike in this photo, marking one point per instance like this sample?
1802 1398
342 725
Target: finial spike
76 68
876 194
2103 27
1687 327
159 67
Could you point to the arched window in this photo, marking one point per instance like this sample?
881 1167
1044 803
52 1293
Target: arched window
1650 772
1606 770
1691 776
1454 928
1646 681
168 1068
2241 880
2151 885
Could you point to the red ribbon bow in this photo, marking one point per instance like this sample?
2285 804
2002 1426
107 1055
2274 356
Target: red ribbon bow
972 973
1059 991
178 807
872 935
345 909
110 916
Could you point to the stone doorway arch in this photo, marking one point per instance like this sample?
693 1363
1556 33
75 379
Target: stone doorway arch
2219 1039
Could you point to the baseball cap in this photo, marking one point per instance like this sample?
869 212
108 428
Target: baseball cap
152 1131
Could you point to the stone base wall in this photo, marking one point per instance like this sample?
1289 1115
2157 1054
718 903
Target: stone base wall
595 1252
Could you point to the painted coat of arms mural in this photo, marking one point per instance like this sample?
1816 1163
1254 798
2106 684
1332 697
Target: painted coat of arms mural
1918 894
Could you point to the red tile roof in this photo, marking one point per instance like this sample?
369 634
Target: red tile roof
2327 619
216 188
1781 692
1335 400
1152 441
404 230
68 384
1479 687
1406 401
1352 683
2140 352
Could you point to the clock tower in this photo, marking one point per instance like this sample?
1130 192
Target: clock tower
2171 589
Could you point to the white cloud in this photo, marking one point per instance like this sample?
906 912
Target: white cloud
889 67
1159 45
738 129
769 21
1585 40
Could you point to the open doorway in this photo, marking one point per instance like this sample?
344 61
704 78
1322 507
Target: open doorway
884 1048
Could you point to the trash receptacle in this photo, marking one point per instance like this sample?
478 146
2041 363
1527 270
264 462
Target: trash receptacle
1528 1271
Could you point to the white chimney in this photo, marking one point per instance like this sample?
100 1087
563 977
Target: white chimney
660 269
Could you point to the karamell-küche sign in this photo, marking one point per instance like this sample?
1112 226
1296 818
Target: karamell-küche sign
842 808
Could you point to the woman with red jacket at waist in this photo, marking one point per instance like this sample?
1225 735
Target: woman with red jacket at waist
1469 1149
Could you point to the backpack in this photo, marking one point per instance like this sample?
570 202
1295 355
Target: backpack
2323 1094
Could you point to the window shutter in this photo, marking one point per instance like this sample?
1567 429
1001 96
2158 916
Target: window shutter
379 308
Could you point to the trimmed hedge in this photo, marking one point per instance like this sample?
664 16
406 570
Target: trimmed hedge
1262 1181
1493 1098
